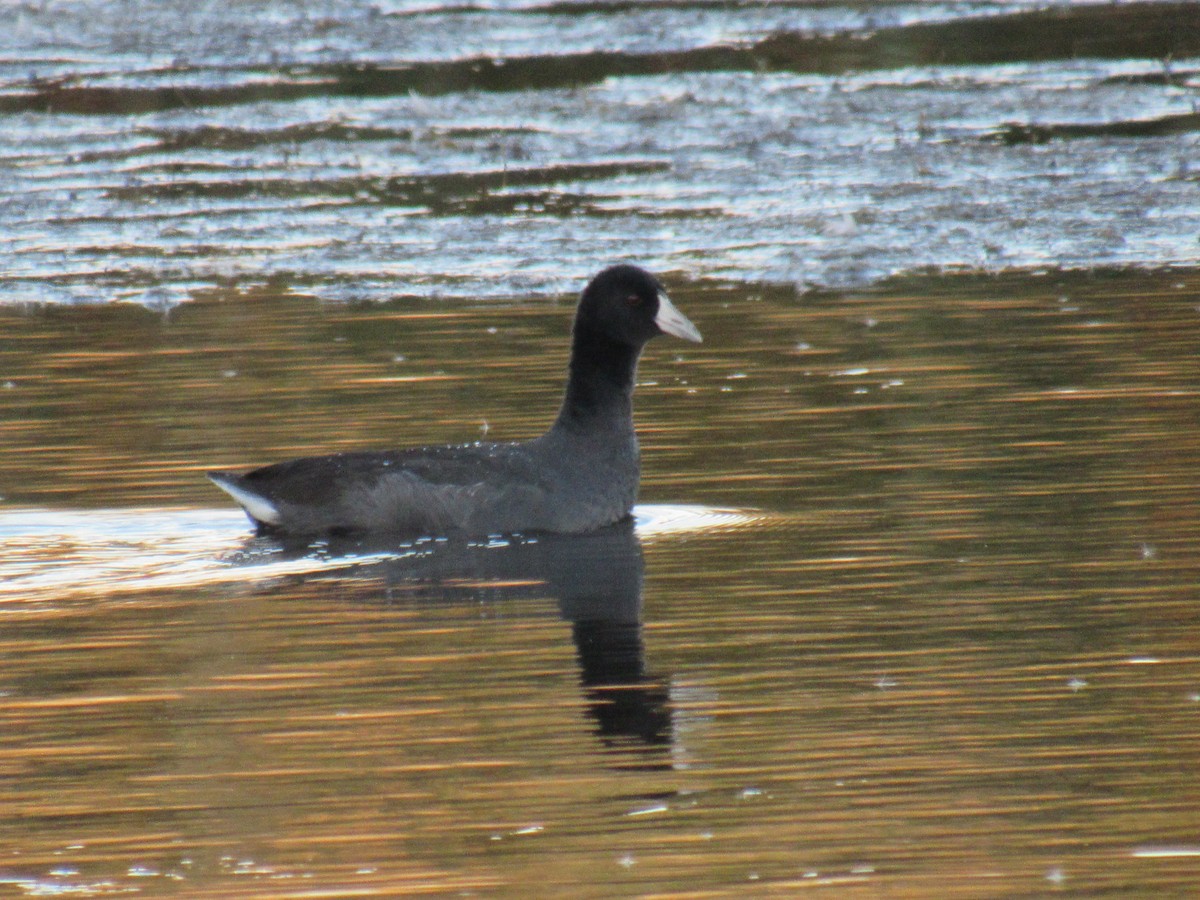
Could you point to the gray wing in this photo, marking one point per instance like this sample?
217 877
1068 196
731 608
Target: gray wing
477 488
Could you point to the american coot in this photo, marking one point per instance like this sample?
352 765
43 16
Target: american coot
580 475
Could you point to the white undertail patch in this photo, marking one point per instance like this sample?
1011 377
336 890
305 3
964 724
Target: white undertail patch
256 506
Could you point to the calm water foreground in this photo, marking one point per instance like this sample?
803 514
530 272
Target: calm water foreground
910 609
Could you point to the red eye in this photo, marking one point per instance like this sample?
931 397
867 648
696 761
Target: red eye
633 300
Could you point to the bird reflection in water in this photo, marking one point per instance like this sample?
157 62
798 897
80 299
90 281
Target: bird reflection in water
596 578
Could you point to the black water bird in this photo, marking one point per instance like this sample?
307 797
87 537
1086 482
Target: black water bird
580 475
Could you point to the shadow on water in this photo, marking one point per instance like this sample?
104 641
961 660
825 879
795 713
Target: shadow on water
596 579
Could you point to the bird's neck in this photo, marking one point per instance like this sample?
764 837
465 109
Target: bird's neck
599 391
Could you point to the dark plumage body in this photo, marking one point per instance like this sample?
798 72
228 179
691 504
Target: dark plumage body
580 475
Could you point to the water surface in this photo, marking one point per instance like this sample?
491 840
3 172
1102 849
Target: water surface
947 647
909 604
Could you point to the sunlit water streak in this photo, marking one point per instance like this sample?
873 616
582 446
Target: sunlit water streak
54 554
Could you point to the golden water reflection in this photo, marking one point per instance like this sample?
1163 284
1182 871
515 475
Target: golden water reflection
956 655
